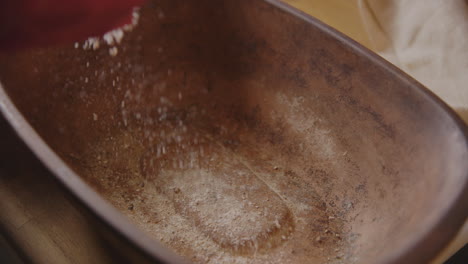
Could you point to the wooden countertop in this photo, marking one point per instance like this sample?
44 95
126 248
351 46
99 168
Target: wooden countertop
36 216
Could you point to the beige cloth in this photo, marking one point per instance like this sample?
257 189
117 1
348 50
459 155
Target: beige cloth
429 40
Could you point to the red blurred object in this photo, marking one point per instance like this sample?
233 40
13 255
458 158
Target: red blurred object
32 23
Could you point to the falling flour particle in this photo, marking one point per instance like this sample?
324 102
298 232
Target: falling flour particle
114 36
113 51
95 44
111 38
95 117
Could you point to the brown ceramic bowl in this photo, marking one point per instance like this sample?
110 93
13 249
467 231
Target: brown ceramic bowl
364 164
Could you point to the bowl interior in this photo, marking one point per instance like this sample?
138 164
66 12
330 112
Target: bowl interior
235 131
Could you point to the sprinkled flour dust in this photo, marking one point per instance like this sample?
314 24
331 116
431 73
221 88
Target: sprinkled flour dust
208 199
111 38
206 186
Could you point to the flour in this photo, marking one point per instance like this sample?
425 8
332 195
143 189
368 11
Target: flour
111 38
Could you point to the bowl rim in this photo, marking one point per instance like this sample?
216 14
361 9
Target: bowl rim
421 249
